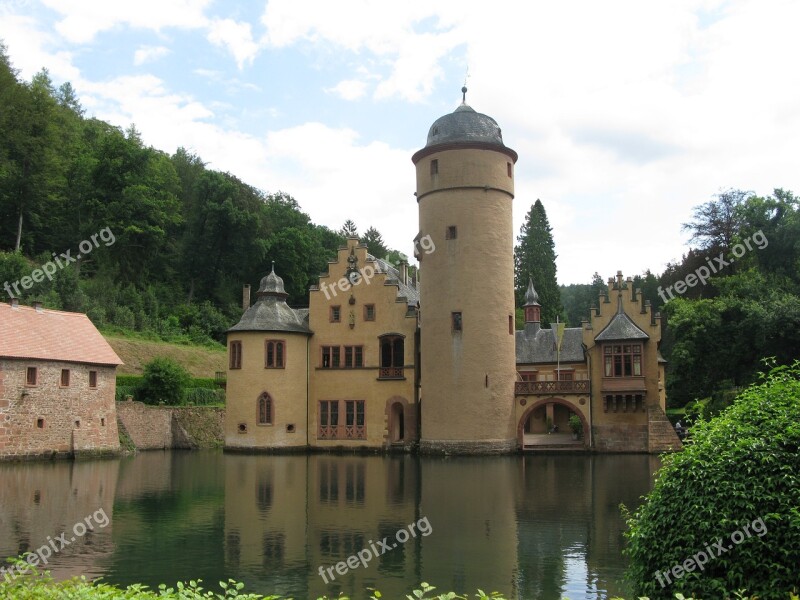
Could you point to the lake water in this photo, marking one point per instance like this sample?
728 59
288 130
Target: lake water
532 527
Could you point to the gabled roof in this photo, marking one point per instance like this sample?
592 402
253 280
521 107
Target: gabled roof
43 334
536 345
621 328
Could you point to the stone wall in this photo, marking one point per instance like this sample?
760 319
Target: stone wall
47 419
164 427
624 437
149 427
661 434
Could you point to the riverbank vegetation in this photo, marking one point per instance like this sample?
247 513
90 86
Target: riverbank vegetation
723 514
40 586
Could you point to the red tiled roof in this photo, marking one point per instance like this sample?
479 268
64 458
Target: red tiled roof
52 335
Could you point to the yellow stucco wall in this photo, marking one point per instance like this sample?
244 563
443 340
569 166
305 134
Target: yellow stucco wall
391 317
286 386
624 430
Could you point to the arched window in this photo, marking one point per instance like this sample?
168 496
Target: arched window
392 356
266 409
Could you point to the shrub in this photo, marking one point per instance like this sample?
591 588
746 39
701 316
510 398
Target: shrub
164 380
742 469
204 396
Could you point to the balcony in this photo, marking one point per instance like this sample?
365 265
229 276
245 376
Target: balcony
391 373
530 388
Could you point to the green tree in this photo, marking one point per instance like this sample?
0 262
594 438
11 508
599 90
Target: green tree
375 244
164 380
535 257
349 229
739 477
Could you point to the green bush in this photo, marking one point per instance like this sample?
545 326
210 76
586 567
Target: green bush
123 391
204 396
129 380
164 380
739 478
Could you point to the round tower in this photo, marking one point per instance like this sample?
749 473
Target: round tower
465 189
267 373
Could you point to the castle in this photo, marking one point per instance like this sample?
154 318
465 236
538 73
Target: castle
380 360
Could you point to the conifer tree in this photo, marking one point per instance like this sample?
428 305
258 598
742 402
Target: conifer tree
535 257
349 229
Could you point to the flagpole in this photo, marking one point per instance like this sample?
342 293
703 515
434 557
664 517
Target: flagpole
558 355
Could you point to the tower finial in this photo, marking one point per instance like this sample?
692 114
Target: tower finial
464 94
273 266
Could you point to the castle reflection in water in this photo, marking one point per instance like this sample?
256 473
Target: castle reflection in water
529 527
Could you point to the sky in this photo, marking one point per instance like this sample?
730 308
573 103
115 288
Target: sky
625 114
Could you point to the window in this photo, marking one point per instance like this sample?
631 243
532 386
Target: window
369 312
457 322
31 376
102 421
434 167
331 357
235 358
510 325
64 378
336 314
451 233
623 360
392 357
566 375
265 409
509 169
336 426
40 423
353 357
528 375
92 379
274 354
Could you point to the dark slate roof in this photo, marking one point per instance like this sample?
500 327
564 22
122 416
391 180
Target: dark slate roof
537 345
464 125
531 296
621 328
270 311
404 290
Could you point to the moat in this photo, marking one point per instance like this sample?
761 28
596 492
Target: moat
532 527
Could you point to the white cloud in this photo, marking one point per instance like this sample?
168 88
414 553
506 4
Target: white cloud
237 38
145 54
83 19
387 30
349 89
27 47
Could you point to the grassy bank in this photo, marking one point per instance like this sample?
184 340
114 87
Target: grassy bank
200 361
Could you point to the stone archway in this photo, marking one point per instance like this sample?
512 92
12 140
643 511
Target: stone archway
400 421
587 432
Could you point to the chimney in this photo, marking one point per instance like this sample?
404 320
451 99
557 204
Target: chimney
37 306
403 268
245 297
14 302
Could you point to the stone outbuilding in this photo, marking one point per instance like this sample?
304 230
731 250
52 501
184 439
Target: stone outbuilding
57 385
